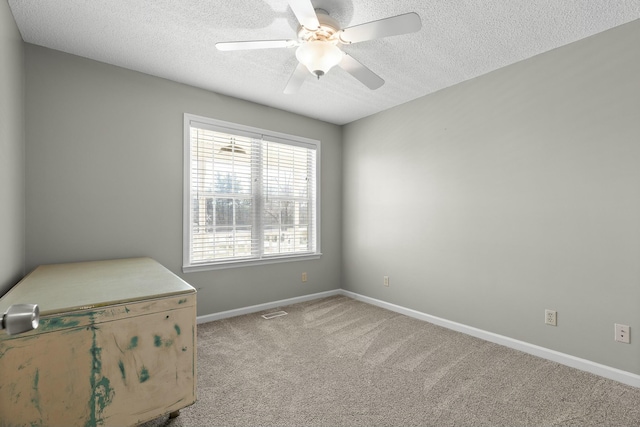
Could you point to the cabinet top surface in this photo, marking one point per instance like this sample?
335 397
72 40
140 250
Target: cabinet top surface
60 288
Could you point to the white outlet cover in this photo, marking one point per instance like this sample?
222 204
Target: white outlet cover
623 333
551 317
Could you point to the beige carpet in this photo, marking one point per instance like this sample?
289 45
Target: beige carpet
340 362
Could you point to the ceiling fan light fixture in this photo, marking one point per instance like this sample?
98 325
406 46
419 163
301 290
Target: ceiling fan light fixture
319 56
319 36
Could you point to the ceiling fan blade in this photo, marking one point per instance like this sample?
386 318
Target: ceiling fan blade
296 79
360 72
255 44
394 26
304 11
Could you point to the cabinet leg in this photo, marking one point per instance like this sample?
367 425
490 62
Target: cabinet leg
174 414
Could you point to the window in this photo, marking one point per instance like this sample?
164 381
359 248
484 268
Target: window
251 196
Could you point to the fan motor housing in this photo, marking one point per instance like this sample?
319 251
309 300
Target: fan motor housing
328 28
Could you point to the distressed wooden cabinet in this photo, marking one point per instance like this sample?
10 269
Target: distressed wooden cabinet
116 346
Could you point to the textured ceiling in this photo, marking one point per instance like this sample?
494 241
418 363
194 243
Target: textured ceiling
175 39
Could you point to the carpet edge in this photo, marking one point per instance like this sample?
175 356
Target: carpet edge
601 370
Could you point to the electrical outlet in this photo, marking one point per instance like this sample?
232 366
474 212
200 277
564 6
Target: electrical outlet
304 277
386 281
551 317
623 333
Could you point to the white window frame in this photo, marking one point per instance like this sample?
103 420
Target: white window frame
187 265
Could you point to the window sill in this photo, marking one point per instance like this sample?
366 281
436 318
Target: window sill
247 263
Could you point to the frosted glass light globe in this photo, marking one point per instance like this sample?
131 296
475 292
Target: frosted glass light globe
319 56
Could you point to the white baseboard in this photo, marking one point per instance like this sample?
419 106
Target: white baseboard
266 306
545 353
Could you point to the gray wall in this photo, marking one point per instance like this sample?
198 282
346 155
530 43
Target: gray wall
12 157
105 178
518 189
489 201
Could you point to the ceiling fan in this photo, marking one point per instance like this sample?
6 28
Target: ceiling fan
317 44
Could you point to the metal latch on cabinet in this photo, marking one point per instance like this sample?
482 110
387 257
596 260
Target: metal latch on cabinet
20 318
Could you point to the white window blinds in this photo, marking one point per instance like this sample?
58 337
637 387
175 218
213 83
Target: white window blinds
251 196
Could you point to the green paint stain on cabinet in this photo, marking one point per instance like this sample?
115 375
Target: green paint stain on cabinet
104 394
157 341
101 391
144 374
122 371
177 328
36 394
133 344
57 323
